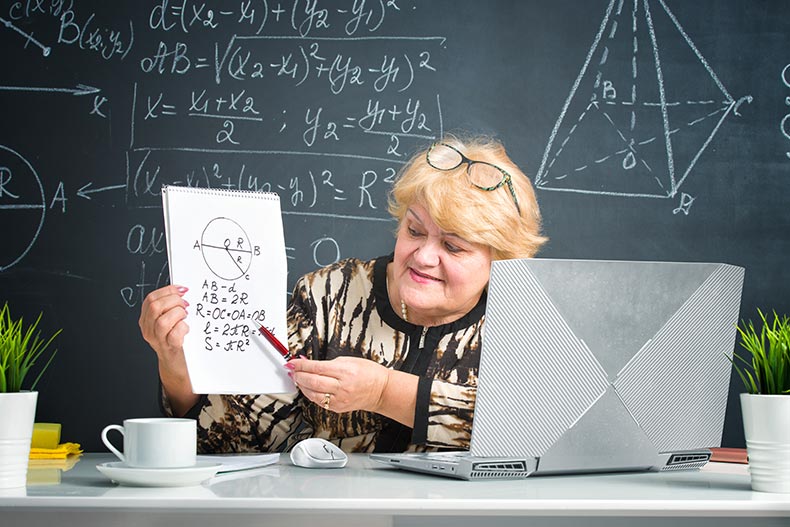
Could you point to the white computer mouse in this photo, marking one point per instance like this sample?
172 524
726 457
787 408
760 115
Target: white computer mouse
315 452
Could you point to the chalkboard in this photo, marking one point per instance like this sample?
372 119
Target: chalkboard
652 129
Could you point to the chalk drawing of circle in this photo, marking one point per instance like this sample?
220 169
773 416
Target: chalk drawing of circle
22 204
226 248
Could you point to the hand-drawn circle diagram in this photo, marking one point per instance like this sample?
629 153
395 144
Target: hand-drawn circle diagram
639 115
226 248
22 204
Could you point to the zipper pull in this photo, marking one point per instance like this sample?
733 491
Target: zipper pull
422 337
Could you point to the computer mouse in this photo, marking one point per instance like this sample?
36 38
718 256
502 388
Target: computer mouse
315 452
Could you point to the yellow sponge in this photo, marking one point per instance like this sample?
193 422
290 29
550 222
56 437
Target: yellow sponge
63 451
45 435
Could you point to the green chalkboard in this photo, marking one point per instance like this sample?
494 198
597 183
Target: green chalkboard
652 130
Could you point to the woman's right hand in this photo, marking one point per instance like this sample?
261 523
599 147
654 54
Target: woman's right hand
163 327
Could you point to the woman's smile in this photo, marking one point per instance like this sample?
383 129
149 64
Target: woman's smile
421 278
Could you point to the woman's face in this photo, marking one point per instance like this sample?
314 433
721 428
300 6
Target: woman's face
439 275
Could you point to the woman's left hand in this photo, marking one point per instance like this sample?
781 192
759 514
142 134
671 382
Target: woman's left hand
352 383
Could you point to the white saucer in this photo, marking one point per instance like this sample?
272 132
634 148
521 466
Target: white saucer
159 477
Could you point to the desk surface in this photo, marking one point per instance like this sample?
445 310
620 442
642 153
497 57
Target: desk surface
716 495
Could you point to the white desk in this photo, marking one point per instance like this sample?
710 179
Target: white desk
367 493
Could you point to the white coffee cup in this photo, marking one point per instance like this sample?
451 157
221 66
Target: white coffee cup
155 442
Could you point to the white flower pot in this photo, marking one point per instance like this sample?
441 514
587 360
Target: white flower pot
17 413
766 425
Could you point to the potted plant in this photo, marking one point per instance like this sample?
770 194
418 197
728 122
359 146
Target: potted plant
22 348
766 405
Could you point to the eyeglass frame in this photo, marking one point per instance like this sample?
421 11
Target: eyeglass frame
506 177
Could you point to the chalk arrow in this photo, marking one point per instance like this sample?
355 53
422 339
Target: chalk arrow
83 192
81 89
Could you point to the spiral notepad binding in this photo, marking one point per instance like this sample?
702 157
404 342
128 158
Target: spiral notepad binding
259 194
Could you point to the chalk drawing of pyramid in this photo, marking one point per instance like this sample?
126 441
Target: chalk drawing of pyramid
643 109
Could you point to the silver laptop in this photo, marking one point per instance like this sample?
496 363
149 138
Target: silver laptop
597 366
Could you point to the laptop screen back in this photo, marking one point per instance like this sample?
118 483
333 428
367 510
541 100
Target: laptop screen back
604 364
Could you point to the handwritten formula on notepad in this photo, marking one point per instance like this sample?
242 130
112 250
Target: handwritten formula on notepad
228 248
225 297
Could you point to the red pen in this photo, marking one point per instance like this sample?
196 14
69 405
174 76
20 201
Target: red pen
274 342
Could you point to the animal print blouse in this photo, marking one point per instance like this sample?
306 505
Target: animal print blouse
343 309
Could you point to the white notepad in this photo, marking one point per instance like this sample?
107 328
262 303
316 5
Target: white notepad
228 248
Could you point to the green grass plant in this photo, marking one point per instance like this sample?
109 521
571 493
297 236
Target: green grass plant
767 371
20 348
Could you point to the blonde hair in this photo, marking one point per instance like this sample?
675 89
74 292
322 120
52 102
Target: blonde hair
455 205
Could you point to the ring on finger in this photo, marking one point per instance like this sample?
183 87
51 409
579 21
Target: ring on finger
327 397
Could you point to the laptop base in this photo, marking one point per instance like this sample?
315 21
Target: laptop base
463 465
460 465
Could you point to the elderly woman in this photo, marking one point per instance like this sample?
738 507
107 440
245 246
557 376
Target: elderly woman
385 351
